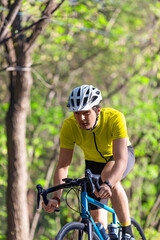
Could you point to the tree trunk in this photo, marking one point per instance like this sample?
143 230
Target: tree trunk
20 85
18 56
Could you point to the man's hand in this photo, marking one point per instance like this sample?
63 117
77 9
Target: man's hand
52 205
105 192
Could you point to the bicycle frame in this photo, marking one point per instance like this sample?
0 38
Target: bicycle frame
85 200
87 220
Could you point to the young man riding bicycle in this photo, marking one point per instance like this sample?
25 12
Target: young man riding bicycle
102 135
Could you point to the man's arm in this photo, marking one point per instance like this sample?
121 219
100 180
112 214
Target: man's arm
65 158
120 156
114 170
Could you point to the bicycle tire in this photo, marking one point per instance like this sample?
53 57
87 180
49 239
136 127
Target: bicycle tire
70 231
137 230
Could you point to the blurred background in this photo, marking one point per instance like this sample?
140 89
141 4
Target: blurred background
49 48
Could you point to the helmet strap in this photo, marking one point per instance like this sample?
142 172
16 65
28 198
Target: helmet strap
95 123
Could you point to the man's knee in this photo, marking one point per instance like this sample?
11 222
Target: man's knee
118 188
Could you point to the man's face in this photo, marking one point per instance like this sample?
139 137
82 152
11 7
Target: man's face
86 119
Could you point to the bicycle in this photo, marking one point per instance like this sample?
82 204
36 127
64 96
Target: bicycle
87 228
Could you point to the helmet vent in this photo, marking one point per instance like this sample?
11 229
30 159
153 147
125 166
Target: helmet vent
87 91
78 102
85 101
78 93
72 102
93 98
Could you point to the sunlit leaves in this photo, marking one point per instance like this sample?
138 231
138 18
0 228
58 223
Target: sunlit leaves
115 46
3 167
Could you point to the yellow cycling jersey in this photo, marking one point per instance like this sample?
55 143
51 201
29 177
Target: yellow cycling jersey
96 144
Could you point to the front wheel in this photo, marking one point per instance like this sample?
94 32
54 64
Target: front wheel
74 231
137 230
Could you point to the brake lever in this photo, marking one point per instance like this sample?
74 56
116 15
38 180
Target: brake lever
42 192
38 200
97 185
93 180
91 184
39 188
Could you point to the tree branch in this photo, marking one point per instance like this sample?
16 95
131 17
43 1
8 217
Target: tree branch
152 215
9 19
39 25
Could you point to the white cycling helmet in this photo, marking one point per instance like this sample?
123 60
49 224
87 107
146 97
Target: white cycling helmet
84 98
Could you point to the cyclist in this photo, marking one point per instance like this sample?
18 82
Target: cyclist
102 135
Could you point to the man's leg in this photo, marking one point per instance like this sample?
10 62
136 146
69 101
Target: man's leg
120 203
100 215
119 200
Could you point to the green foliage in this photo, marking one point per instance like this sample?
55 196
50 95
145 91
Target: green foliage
3 169
151 234
43 124
115 46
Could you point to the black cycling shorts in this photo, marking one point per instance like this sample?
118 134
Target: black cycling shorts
96 168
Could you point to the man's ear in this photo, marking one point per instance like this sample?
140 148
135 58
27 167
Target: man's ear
99 110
